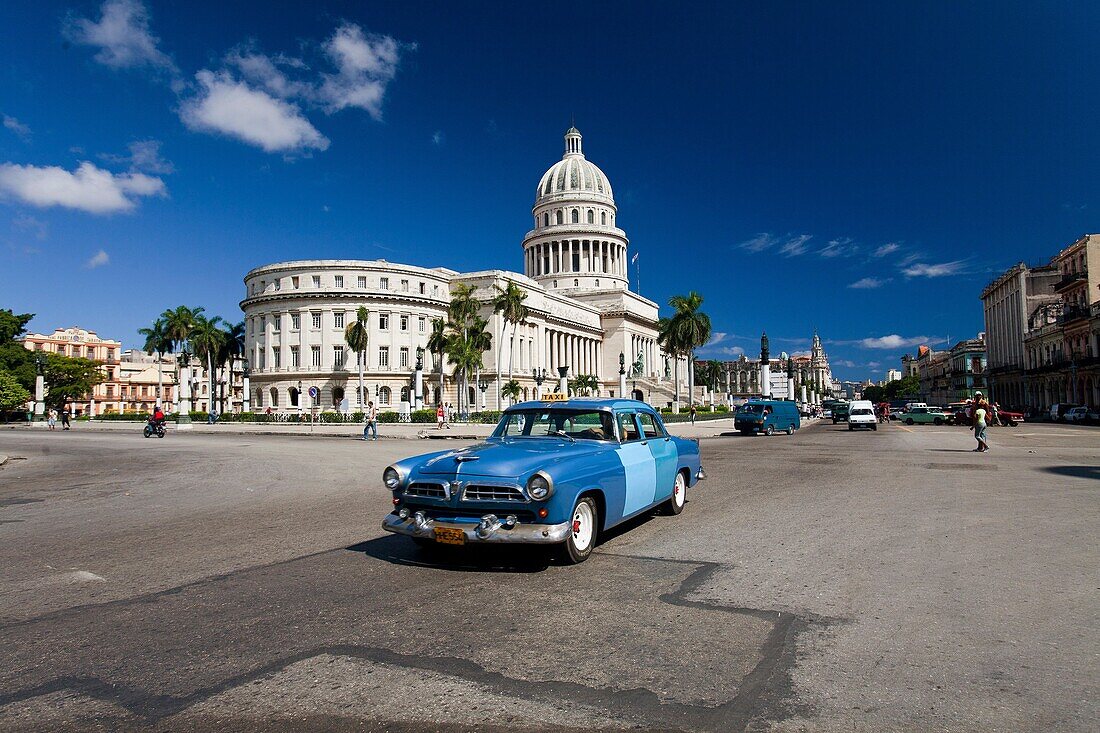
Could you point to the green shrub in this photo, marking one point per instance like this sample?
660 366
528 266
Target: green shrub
422 416
388 417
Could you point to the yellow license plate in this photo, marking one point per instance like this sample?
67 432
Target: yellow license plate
450 536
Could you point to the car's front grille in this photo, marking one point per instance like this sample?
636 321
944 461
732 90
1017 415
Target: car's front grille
432 491
482 492
445 513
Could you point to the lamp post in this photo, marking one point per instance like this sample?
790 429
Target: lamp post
482 385
39 408
183 377
246 396
540 377
563 380
622 375
419 378
299 393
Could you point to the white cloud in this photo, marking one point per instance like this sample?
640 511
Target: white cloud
227 106
366 64
922 269
144 156
16 126
88 188
759 243
842 247
99 259
715 339
122 36
267 72
869 283
731 351
437 137
893 341
886 249
795 245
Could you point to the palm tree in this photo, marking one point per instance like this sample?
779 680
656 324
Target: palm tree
669 339
207 338
692 328
481 340
357 336
157 342
584 384
511 390
232 349
462 346
178 324
508 302
437 344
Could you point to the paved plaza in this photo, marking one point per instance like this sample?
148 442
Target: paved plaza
826 581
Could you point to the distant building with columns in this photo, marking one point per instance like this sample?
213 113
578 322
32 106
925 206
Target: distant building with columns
582 314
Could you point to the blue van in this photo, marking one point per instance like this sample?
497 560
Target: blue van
767 416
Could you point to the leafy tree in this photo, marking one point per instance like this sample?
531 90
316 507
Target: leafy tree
357 336
508 302
904 387
15 358
13 395
874 393
70 378
584 384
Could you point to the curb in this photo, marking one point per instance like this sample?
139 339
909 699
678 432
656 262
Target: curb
3 459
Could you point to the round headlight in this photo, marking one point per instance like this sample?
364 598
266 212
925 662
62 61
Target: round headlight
539 487
391 478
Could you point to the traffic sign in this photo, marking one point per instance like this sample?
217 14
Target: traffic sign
314 392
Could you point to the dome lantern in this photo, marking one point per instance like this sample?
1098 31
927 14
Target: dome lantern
573 142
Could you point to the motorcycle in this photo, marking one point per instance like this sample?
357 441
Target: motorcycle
152 428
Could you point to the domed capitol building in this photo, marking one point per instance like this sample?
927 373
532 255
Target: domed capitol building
582 315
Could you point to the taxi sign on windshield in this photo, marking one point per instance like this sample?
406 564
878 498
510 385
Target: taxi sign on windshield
554 397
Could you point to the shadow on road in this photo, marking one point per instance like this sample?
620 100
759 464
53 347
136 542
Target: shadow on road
1092 472
401 550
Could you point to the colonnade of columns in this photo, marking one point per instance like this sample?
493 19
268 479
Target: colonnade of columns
649 350
581 354
576 256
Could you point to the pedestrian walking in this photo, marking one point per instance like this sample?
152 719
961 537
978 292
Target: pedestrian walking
439 415
980 422
693 414
51 419
65 419
448 415
372 421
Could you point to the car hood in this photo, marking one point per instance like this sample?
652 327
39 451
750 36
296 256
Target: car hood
509 458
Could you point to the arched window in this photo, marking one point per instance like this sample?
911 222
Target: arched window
337 396
546 219
259 398
558 216
274 397
471 399
591 217
575 216
555 283
384 396
576 283
603 218
404 394
293 397
597 283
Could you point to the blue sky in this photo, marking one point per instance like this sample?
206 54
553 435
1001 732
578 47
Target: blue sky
859 168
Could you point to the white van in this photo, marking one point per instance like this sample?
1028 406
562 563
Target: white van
861 414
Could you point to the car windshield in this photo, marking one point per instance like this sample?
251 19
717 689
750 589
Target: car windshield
753 409
556 423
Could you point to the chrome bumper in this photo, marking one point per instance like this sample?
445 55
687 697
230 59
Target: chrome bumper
489 530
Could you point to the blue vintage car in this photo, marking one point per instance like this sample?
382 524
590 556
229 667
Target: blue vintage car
554 473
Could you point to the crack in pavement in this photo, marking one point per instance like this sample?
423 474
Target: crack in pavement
761 694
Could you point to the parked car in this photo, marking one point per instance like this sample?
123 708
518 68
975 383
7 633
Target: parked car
932 415
826 414
861 414
1009 418
1059 409
767 416
840 412
552 473
1081 414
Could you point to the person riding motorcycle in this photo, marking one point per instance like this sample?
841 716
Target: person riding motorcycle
158 417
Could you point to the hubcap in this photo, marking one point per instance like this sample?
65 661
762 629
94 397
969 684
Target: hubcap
583 526
678 490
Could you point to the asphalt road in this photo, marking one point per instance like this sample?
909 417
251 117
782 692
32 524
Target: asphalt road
829 581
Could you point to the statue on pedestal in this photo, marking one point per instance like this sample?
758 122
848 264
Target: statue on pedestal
764 353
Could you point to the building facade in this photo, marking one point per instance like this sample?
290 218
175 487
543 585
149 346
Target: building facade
82 343
582 316
1009 303
1062 346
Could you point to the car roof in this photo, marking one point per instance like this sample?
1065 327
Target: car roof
584 403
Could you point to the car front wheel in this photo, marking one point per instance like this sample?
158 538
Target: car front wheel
675 503
582 538
908 421
769 430
938 421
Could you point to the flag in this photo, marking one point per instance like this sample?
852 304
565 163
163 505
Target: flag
634 258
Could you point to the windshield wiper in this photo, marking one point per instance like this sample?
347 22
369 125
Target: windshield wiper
564 434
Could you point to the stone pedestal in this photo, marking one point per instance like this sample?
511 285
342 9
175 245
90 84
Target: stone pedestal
790 388
622 384
183 421
563 380
803 390
39 400
418 389
246 396
765 380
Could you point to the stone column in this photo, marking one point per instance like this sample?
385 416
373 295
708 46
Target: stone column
39 398
184 420
765 379
803 393
246 396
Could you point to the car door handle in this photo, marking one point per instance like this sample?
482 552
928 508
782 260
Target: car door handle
645 442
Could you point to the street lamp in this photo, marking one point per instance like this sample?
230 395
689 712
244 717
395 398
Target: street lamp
483 385
299 394
419 358
540 377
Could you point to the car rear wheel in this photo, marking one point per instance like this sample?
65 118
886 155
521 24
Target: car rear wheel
770 430
675 503
582 538
790 429
938 421
875 428
908 421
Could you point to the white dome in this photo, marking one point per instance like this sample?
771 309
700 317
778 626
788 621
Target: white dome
574 177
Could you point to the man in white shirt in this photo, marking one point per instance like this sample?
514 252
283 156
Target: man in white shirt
372 421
